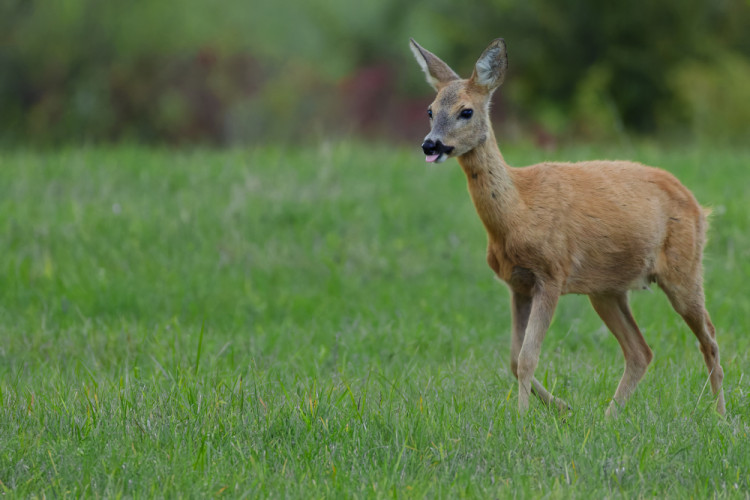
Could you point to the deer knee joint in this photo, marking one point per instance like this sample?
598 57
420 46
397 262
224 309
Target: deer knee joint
648 356
710 349
526 365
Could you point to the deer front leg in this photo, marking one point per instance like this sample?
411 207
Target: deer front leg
543 305
521 309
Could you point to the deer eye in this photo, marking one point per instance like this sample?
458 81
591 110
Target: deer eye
466 113
429 113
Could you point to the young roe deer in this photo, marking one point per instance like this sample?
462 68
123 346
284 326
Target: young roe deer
599 228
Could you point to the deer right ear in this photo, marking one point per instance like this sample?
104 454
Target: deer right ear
437 72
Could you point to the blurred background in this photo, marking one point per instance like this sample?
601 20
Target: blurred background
245 72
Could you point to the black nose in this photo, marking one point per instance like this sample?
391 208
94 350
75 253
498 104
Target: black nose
429 147
435 148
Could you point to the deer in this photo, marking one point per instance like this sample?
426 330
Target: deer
598 228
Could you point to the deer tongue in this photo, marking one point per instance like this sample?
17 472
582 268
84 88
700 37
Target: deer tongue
431 158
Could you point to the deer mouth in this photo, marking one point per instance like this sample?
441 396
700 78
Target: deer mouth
436 151
439 158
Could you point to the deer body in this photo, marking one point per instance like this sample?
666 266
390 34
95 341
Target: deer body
598 228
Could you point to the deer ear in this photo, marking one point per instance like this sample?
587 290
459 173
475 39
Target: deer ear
438 73
489 72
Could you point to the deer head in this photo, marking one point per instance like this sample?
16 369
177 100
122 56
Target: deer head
459 115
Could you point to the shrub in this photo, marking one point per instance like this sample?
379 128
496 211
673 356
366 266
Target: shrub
712 99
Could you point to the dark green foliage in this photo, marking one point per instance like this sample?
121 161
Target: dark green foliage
237 72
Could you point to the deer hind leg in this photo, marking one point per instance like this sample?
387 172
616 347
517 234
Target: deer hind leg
521 311
615 312
689 302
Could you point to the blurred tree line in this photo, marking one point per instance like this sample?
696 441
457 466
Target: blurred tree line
230 71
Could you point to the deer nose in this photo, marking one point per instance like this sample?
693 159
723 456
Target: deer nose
429 147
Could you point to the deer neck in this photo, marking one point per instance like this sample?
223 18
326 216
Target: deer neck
491 187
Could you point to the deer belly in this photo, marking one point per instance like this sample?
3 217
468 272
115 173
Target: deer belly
618 273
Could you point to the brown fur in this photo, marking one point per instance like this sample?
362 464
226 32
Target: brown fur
598 228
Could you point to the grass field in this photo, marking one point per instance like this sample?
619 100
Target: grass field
322 323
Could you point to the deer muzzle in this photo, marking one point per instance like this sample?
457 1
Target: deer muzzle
436 151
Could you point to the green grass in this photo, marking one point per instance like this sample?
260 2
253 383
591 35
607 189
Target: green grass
322 323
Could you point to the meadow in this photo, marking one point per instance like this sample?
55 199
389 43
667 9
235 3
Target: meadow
320 322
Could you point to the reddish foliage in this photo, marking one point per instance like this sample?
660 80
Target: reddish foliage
377 108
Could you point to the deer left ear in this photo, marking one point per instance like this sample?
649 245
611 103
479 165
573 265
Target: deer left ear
489 72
